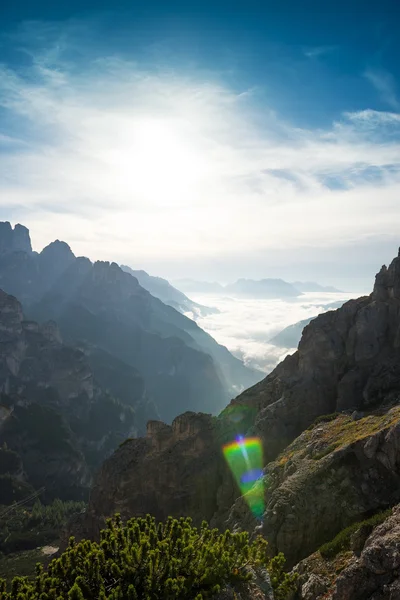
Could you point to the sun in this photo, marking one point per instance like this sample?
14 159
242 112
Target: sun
158 160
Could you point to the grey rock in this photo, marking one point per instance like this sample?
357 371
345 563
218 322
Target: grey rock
314 588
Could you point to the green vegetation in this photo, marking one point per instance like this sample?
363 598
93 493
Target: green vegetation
23 528
145 560
324 419
336 430
341 542
343 430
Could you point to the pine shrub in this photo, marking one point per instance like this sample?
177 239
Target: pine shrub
146 560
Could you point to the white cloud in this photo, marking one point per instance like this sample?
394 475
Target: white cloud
245 326
132 164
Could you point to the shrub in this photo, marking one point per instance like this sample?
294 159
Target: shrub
144 560
324 419
341 542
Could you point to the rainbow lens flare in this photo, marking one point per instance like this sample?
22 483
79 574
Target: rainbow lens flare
245 459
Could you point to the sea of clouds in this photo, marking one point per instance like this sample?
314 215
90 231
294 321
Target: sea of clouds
245 325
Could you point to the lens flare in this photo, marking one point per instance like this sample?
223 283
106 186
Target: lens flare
245 459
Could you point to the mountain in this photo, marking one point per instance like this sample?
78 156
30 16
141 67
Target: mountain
161 288
117 322
53 414
263 288
290 336
328 418
251 288
311 286
199 287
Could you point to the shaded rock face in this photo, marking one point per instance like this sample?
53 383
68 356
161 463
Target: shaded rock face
14 240
174 471
53 414
375 575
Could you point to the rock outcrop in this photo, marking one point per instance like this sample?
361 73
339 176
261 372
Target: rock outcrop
14 240
333 475
372 573
169 472
376 574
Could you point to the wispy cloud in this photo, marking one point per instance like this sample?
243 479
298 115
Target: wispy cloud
385 84
133 163
316 51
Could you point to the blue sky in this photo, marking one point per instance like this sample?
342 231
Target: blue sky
212 139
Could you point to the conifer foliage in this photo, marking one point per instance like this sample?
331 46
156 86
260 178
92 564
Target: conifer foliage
145 560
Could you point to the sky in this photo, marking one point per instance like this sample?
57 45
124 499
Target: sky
212 140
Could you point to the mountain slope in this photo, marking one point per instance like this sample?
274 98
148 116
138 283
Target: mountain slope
101 307
161 288
54 414
339 469
291 335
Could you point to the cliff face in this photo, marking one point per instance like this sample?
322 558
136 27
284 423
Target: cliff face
14 239
169 472
53 414
333 474
347 359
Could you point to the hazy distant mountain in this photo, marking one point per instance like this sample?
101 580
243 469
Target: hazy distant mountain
312 286
54 414
200 287
164 291
263 288
122 326
291 335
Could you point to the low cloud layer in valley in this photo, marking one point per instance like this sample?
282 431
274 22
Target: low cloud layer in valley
245 325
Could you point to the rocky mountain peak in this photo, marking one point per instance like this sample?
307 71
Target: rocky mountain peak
387 281
15 239
57 256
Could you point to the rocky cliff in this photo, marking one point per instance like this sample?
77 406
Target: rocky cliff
53 413
319 478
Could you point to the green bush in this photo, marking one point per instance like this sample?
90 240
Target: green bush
341 542
144 560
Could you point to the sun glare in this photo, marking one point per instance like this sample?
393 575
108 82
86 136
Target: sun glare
157 160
